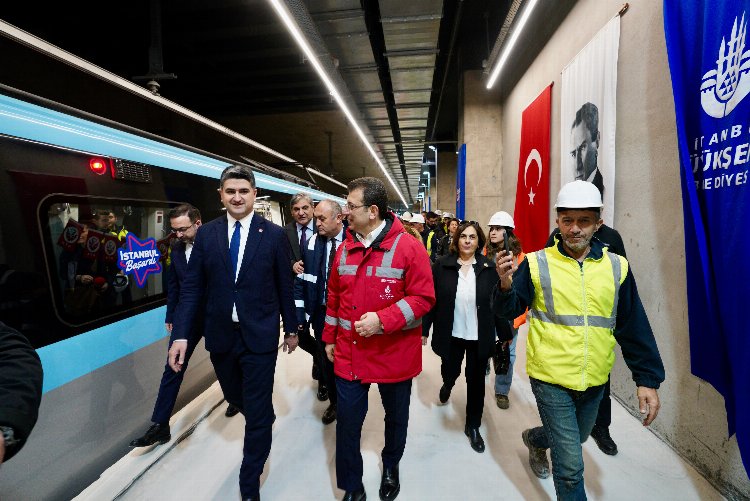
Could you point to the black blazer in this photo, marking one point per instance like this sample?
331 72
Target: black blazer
445 278
291 234
176 274
263 291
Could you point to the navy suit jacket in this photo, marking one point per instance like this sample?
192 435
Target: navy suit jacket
176 273
309 286
263 291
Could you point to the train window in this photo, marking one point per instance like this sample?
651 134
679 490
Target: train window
82 236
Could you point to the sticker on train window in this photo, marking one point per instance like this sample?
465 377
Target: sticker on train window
140 258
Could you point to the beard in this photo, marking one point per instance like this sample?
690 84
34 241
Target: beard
577 246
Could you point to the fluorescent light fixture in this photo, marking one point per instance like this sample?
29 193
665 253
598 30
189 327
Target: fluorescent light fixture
511 42
294 30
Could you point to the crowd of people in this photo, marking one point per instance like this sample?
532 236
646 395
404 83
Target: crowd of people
363 290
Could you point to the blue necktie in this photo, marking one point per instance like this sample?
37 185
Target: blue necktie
234 247
303 240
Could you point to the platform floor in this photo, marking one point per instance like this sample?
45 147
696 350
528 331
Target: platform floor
438 463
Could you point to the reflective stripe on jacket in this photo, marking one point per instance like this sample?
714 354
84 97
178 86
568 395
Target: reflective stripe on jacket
392 278
572 317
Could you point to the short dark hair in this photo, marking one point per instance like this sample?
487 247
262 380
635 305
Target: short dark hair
461 227
237 172
589 115
373 193
300 196
185 210
431 215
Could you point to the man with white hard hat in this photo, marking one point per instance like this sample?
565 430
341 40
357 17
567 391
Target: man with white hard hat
417 222
581 299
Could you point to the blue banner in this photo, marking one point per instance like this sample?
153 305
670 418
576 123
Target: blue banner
709 60
461 183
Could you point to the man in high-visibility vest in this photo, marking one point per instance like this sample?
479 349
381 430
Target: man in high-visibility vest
581 299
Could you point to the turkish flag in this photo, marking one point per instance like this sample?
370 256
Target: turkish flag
531 214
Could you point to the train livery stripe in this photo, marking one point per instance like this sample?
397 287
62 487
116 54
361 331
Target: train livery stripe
77 356
29 121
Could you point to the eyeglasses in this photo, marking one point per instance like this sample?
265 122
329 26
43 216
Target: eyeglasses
351 207
183 229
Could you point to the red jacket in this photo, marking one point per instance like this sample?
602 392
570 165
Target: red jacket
392 278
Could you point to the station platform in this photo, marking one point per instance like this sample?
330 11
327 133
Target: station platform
203 459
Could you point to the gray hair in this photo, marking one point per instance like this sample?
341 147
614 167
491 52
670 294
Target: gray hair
297 197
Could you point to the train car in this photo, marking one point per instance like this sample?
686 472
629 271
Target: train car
74 189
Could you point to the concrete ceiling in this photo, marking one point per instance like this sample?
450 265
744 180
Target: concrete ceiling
235 63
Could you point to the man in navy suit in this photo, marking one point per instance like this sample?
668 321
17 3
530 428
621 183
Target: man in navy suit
311 287
185 221
240 268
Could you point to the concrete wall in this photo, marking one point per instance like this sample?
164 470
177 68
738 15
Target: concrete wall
481 131
647 212
446 182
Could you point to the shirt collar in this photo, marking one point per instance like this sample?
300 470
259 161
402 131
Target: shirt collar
300 226
245 221
370 237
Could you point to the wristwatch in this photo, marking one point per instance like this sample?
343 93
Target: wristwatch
11 442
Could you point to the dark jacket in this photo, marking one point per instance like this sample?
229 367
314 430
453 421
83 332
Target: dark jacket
20 386
440 317
176 273
264 288
632 330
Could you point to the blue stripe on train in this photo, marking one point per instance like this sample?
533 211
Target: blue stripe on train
77 356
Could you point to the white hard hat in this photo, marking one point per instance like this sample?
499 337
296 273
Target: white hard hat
438 212
406 216
417 218
579 195
502 218
448 214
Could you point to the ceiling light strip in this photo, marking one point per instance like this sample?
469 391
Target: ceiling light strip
66 57
294 30
511 42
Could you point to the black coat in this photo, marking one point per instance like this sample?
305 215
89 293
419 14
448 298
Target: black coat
20 385
445 278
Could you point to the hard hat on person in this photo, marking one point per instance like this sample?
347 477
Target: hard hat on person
579 195
406 216
438 212
448 214
417 218
502 218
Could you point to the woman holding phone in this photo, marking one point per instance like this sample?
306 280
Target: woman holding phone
463 320
502 238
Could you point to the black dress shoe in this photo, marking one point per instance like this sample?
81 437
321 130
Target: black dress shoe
475 438
252 498
444 395
158 433
232 410
322 393
329 416
604 441
389 484
358 495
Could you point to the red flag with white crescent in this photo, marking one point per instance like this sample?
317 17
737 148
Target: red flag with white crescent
531 213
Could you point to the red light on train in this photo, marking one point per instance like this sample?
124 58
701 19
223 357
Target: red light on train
98 165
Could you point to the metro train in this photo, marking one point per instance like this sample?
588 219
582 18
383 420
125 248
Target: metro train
74 189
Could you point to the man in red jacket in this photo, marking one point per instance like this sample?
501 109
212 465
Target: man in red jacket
379 289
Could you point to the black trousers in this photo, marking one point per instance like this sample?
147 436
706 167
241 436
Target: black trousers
604 416
351 413
450 369
247 381
170 386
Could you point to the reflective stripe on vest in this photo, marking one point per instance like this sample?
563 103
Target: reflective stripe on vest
572 317
334 321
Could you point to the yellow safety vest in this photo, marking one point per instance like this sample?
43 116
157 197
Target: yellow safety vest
572 317
429 242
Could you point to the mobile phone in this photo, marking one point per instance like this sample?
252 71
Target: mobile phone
506 245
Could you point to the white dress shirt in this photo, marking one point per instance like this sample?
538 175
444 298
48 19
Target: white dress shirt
310 231
339 238
465 322
244 230
370 238
188 251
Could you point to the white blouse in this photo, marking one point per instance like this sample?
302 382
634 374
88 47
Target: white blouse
465 323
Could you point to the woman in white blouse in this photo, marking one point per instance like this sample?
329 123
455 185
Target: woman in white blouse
463 320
